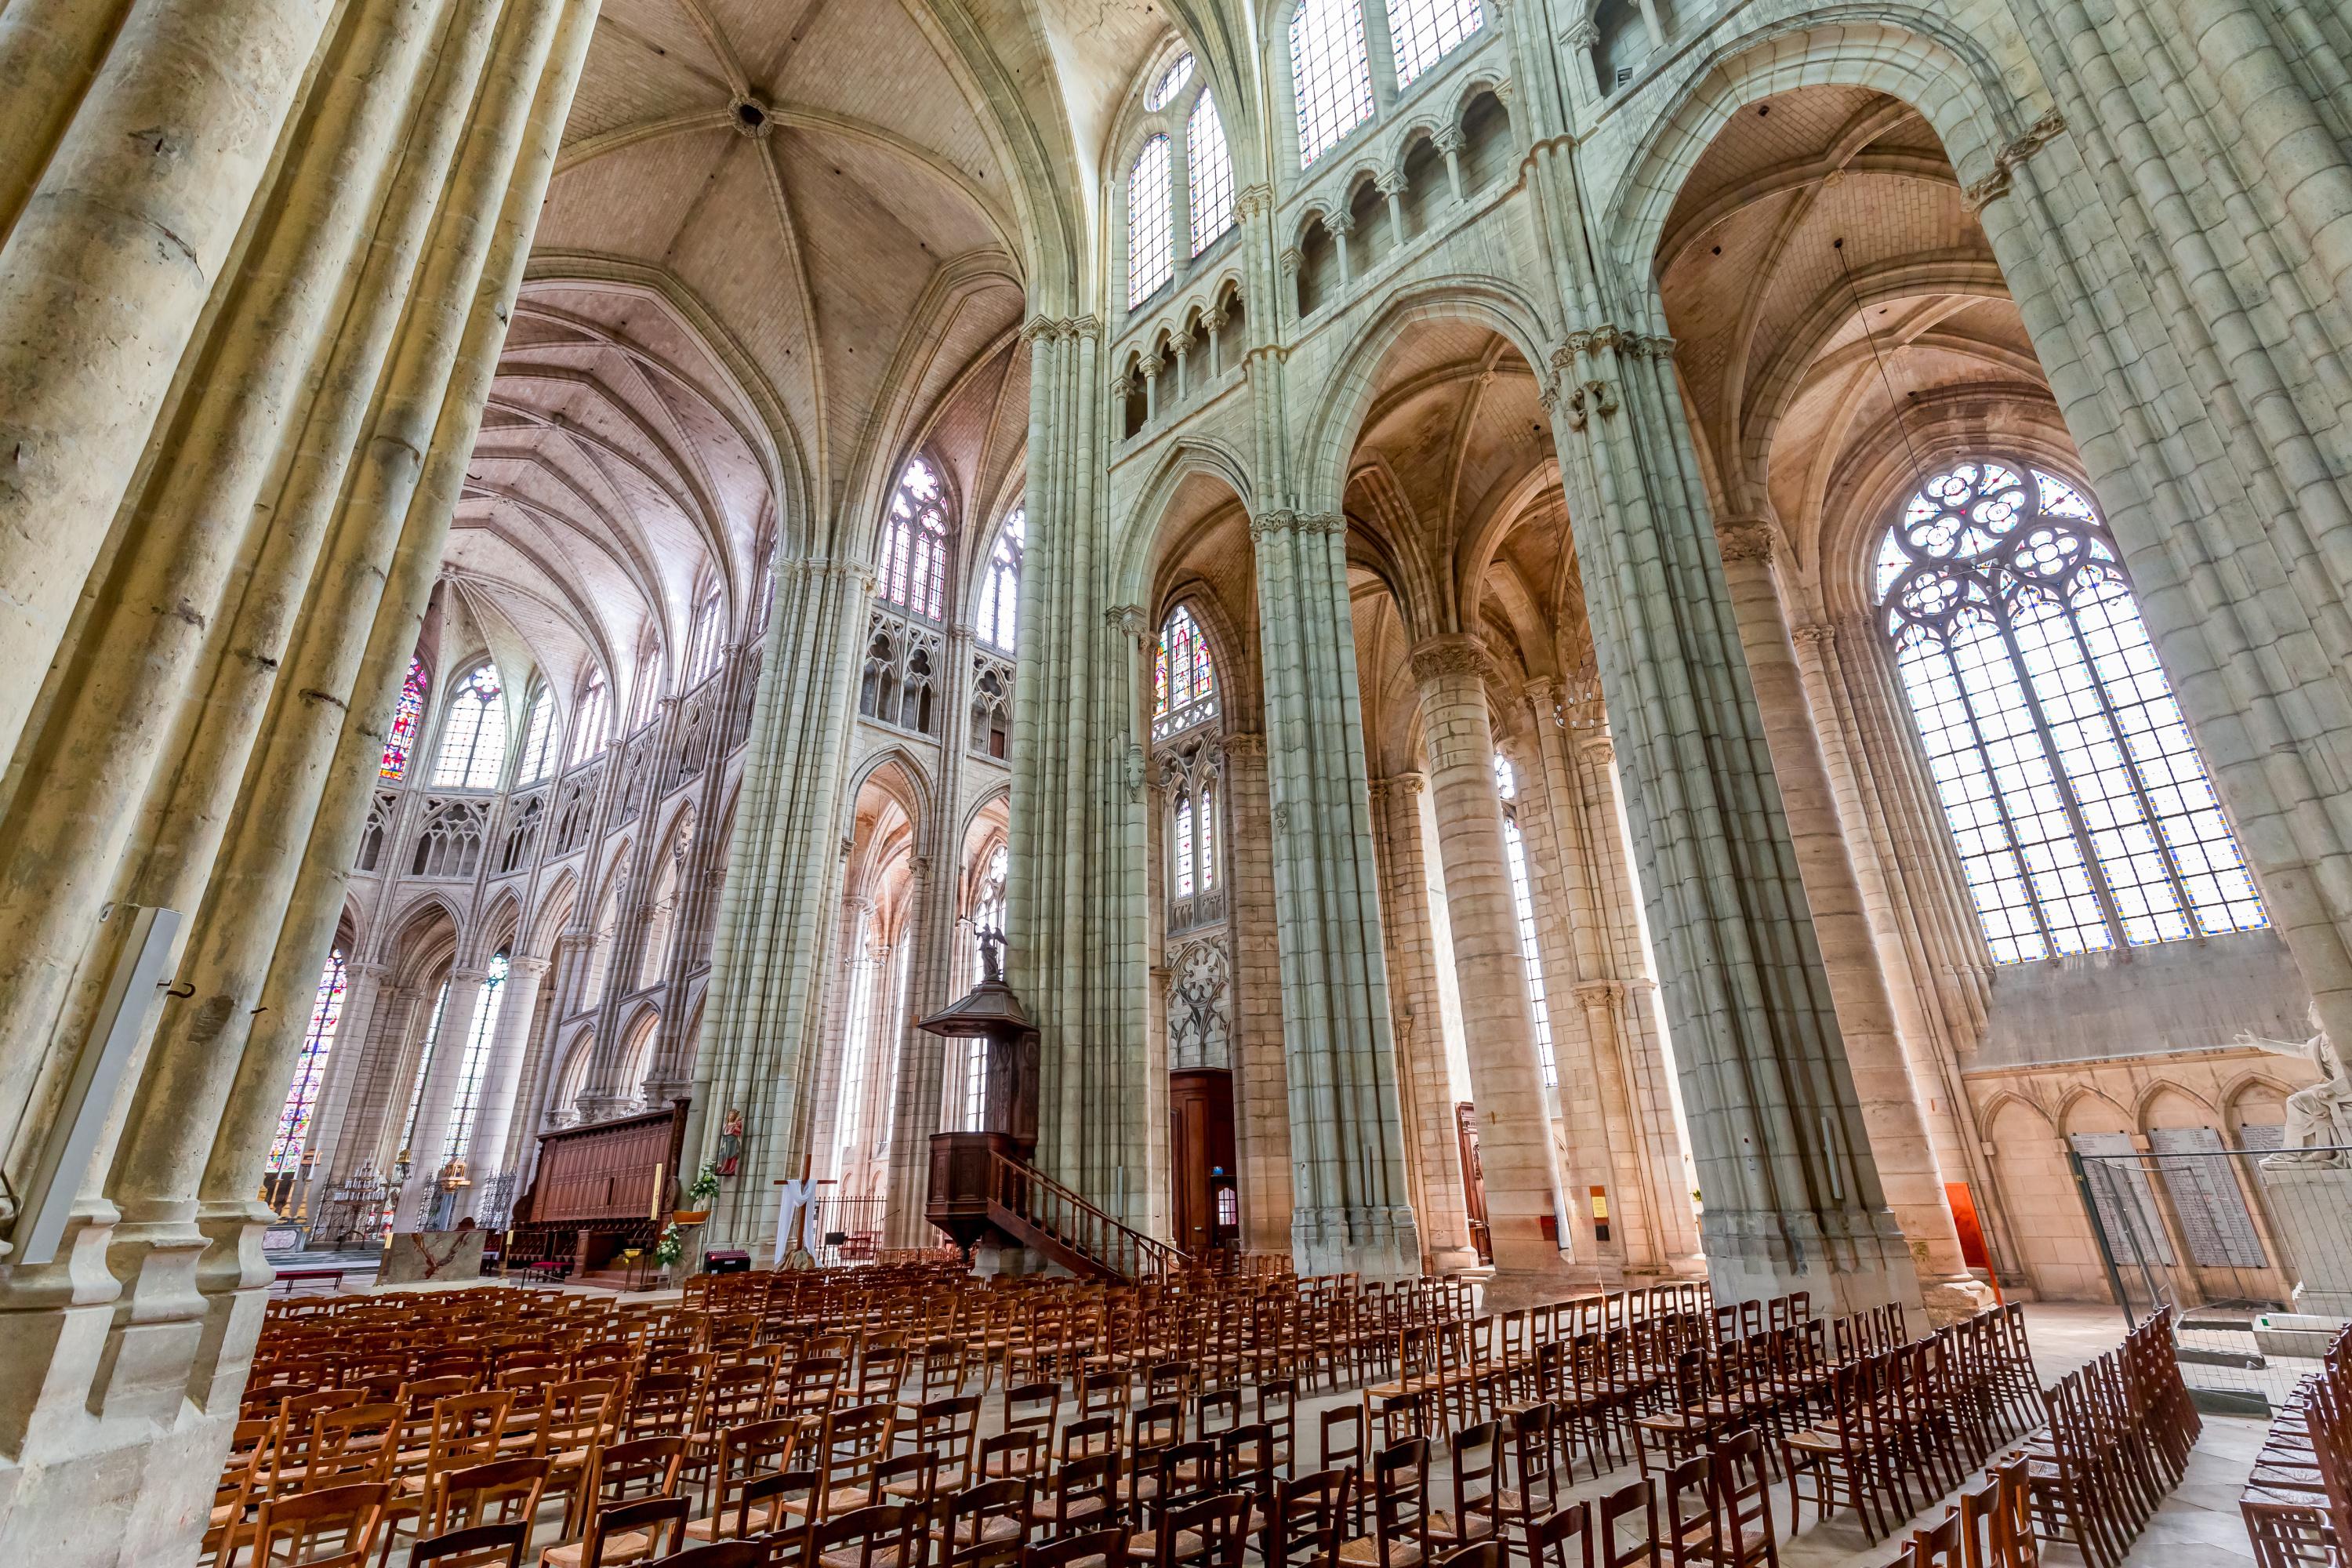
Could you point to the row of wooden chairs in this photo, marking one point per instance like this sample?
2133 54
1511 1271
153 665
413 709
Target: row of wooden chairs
2116 1440
2297 1502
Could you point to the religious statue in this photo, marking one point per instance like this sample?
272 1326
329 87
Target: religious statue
731 1142
992 957
2318 1119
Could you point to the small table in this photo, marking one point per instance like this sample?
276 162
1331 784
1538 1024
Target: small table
292 1276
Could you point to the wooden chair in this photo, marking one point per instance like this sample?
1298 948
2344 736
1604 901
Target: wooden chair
1478 1554
1210 1533
1743 1502
628 1532
1084 1498
745 1453
1838 1458
1692 1525
1399 1507
1477 1455
624 1472
1083 1549
476 1546
1308 1520
985 1526
331 1527
1563 1538
886 1535
718 1555
1625 1503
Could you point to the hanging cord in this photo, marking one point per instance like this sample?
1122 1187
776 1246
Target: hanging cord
1878 357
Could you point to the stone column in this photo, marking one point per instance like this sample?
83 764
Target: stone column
1352 1211
1619 996
1866 1012
108 265
1075 873
1261 1077
1792 1195
494 1102
1515 1146
443 1070
1427 1088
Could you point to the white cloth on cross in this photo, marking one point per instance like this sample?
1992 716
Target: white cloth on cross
794 1194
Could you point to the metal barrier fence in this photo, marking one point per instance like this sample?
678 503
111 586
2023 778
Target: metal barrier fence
2250 1250
843 1230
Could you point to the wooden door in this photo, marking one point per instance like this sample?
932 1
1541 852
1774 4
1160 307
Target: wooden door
1200 1154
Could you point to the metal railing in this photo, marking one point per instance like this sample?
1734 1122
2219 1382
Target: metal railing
2250 1250
1079 1224
843 1230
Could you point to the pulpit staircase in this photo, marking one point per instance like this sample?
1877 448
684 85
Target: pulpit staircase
1040 1212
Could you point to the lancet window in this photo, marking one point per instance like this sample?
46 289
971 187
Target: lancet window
1330 73
1523 906
309 1066
406 717
588 724
2077 802
999 588
473 734
1425 32
915 541
538 737
1150 222
1183 165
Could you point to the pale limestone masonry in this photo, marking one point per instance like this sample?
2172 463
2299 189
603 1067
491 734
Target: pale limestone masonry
1559 408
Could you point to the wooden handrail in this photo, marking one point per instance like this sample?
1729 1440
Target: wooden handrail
1077 1223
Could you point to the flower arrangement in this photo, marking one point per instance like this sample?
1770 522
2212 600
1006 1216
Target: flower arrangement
670 1248
704 1187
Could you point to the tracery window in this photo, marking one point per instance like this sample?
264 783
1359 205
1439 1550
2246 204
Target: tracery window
537 737
309 1066
1209 173
1170 82
476 1058
1523 905
1184 679
2075 797
1425 31
1330 74
1150 222
588 724
405 717
1000 590
915 541
473 734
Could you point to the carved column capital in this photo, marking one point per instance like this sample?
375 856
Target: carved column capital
1455 653
1746 539
1246 744
1819 635
1128 619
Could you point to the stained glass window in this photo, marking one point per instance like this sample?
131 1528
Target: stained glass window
2077 801
1183 828
538 737
476 1057
588 724
1425 31
1184 681
1171 82
473 734
915 541
1523 905
1209 173
1000 590
309 1066
1330 74
405 718
1150 222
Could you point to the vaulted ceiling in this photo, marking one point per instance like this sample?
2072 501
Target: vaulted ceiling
1837 309
787 243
